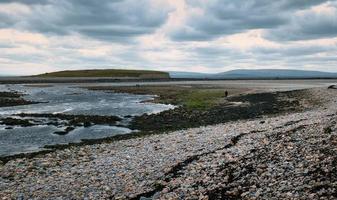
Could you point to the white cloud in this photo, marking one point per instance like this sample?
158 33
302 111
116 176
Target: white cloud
38 36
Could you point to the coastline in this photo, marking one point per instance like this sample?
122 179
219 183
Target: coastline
216 159
240 159
253 105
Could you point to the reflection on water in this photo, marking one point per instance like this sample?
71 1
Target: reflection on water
68 99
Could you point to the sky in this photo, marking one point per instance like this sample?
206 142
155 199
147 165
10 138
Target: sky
210 36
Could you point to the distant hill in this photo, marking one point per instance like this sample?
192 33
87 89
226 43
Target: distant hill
275 73
115 73
175 74
257 74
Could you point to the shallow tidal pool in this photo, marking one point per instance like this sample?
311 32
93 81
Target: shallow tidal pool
68 99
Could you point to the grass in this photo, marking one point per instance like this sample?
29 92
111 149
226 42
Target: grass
202 99
192 97
107 73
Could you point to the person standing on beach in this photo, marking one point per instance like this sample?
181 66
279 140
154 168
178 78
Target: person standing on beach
226 93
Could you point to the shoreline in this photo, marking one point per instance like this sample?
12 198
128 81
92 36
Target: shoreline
287 156
179 118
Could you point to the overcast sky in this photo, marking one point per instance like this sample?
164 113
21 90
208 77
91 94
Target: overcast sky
178 35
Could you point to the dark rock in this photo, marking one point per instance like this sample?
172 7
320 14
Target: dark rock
65 132
14 98
10 94
16 122
332 87
75 120
86 124
53 124
69 129
254 106
60 133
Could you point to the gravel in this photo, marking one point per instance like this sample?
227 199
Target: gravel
292 156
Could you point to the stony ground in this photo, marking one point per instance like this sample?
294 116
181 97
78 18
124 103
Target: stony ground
293 156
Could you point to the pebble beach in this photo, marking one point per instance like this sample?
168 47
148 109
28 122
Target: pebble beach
288 156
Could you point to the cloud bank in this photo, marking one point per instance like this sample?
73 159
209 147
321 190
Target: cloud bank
186 35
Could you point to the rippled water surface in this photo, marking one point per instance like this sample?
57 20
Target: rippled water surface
68 99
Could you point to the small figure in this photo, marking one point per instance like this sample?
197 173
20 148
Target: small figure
226 93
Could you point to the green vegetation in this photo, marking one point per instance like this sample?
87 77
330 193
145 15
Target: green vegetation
202 99
195 97
141 74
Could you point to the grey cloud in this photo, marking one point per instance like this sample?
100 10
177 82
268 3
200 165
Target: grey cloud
296 57
7 45
27 2
214 51
225 17
123 20
219 53
24 58
300 4
216 56
5 20
294 51
304 27
104 19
